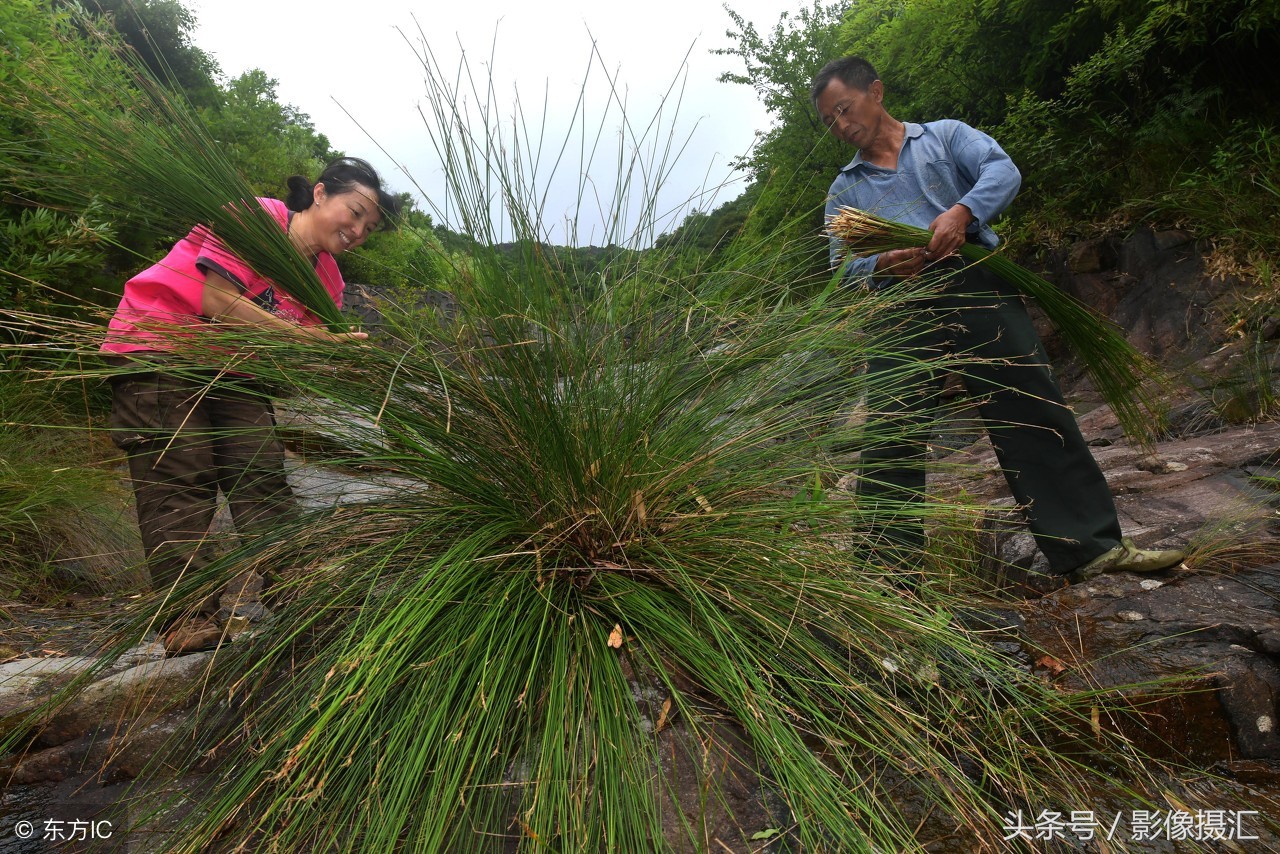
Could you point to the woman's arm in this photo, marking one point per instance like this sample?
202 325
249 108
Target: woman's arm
223 301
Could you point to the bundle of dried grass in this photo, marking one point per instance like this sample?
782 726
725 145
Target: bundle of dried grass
1127 380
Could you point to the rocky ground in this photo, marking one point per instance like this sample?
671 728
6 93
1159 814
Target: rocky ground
1215 617
1213 623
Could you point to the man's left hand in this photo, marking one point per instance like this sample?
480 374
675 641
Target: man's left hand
948 232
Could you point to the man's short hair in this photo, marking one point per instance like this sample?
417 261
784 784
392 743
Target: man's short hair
852 71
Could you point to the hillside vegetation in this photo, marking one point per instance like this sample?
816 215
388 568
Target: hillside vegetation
1118 112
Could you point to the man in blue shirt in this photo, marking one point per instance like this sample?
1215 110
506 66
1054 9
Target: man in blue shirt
954 180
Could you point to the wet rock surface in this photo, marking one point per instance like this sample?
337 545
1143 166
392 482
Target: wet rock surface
1215 619
1218 633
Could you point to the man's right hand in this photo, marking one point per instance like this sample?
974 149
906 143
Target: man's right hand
903 263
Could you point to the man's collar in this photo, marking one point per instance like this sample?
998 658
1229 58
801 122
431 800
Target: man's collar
912 130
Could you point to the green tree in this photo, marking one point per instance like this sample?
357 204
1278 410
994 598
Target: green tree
959 59
160 32
265 140
1160 109
794 160
406 257
711 233
62 247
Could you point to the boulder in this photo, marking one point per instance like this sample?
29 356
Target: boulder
1092 256
141 682
1184 490
1212 636
1153 285
107 753
142 690
28 683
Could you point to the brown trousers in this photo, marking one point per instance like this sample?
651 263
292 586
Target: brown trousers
186 439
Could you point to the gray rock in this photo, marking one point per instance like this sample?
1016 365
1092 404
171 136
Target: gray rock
30 692
140 654
28 683
250 612
317 486
1092 256
1171 239
147 689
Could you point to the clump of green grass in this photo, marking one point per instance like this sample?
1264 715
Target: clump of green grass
452 667
581 491
65 522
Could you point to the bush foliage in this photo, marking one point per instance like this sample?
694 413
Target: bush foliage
1115 110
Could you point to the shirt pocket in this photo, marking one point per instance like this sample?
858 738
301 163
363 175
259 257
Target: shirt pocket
938 180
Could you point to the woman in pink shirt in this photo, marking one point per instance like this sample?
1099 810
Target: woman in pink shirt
186 438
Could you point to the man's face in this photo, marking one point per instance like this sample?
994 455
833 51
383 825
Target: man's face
853 115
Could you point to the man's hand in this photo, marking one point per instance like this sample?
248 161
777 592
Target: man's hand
948 232
902 262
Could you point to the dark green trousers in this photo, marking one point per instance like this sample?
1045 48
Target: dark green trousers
981 321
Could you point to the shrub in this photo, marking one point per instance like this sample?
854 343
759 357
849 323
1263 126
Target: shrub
48 257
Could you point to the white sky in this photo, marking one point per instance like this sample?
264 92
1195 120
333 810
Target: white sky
323 52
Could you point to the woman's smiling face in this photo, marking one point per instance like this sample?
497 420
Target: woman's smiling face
342 221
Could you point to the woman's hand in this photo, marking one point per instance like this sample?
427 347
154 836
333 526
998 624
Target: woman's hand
353 334
221 300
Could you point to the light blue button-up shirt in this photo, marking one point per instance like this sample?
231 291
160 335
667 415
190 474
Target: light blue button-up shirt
941 163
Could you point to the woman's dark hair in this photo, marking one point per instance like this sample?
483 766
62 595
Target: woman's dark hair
342 176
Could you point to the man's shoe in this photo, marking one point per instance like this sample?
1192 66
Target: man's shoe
192 634
1126 557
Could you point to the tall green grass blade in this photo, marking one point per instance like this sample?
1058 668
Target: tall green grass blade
582 502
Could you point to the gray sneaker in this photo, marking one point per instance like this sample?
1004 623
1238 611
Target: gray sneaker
1127 557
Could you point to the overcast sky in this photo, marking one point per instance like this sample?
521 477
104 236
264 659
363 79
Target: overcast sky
364 57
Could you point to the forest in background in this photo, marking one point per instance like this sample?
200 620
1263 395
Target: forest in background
1118 112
